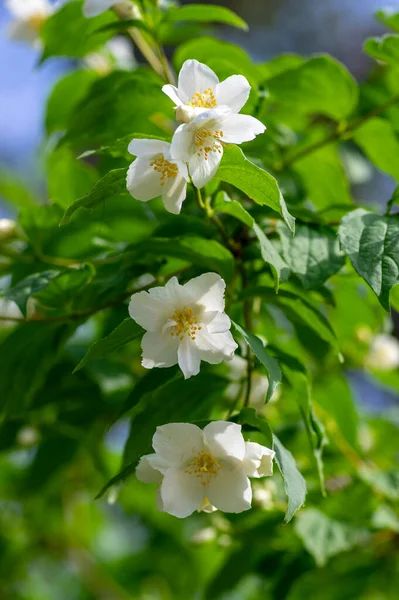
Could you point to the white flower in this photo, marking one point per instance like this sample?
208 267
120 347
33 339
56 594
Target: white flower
185 324
196 467
92 8
199 89
200 142
154 173
383 354
29 17
116 54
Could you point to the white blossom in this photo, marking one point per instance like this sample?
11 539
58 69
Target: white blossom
29 17
212 466
154 173
200 142
199 89
184 324
383 354
117 53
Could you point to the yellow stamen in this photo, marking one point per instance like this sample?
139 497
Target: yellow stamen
204 466
205 100
164 167
186 323
207 141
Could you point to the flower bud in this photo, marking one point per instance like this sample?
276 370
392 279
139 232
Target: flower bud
8 229
185 113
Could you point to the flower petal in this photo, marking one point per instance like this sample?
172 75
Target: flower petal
181 493
217 322
224 439
177 443
208 290
195 77
149 148
258 460
92 8
189 358
233 92
240 128
146 473
230 490
182 143
215 348
173 93
201 170
159 350
143 182
150 310
175 194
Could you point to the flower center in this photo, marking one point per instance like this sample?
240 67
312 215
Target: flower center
186 323
204 466
207 141
205 100
36 21
166 169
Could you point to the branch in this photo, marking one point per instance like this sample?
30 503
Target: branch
337 135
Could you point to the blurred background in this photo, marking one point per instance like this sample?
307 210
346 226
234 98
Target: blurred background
98 551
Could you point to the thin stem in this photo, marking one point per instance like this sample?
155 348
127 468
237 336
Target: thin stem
206 207
335 136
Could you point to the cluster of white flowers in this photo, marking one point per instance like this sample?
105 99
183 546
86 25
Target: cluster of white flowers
28 18
184 324
208 110
208 468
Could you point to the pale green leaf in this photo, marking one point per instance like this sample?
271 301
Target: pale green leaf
224 204
379 141
385 48
205 13
294 483
270 255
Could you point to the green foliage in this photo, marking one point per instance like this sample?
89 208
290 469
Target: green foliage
277 222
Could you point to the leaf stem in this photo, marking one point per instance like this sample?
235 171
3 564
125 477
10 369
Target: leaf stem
339 134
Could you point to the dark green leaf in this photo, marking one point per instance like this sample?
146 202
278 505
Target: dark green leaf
28 287
271 365
372 244
224 204
26 356
126 332
253 181
205 13
113 183
200 251
270 255
294 483
313 254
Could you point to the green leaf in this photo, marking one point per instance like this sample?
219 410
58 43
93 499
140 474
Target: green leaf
259 185
270 255
385 518
26 356
68 178
321 85
313 254
113 183
372 244
248 416
28 287
117 104
385 48
324 537
76 38
271 365
175 401
123 25
382 482
318 170
334 395
199 251
13 191
152 381
294 483
65 96
378 140
126 332
205 13
389 17
224 204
